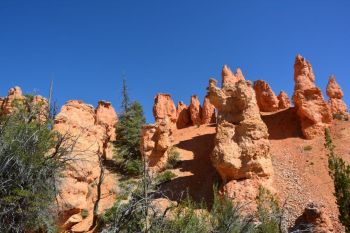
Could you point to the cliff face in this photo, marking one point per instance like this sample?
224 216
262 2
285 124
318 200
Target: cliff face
92 131
335 94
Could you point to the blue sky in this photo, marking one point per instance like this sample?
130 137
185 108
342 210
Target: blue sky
167 46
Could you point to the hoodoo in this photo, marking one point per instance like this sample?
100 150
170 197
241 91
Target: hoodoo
312 110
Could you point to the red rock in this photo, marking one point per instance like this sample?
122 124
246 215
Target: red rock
312 110
228 77
208 112
164 107
314 219
335 94
242 148
14 93
156 139
283 100
90 130
183 116
195 110
265 97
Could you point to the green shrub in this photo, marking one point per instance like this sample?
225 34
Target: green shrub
307 148
173 158
31 159
165 176
340 173
84 213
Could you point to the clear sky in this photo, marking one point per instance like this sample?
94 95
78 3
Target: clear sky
167 46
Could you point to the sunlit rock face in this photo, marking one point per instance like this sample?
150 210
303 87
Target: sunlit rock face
92 132
283 100
164 107
183 116
335 94
312 110
195 110
265 97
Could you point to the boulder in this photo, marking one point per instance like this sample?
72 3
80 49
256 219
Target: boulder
313 220
183 116
164 107
195 110
208 112
265 97
283 100
312 110
335 94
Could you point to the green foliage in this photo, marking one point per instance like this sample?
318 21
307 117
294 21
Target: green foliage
268 212
84 213
128 130
165 177
31 158
307 148
341 117
340 173
173 158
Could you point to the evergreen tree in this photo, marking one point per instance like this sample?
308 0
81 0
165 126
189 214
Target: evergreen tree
128 130
340 173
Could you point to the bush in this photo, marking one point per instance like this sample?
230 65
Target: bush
340 173
307 148
173 158
31 159
165 176
84 213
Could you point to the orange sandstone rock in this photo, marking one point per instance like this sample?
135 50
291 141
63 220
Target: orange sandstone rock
283 100
335 94
164 107
91 132
308 100
265 97
229 77
242 148
183 116
195 110
208 112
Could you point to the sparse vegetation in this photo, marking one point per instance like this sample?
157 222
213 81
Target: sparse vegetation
165 177
308 148
340 173
173 158
84 213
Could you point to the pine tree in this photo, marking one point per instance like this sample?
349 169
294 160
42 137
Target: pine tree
128 130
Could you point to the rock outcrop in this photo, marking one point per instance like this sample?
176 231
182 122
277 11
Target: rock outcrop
156 140
265 97
283 100
183 116
241 145
335 94
7 107
229 77
312 110
164 107
195 110
91 131
314 220
208 112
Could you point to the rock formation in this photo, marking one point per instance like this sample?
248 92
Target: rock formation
208 112
311 108
283 100
14 93
265 97
91 131
314 219
183 116
156 139
241 145
335 94
164 107
229 77
195 110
